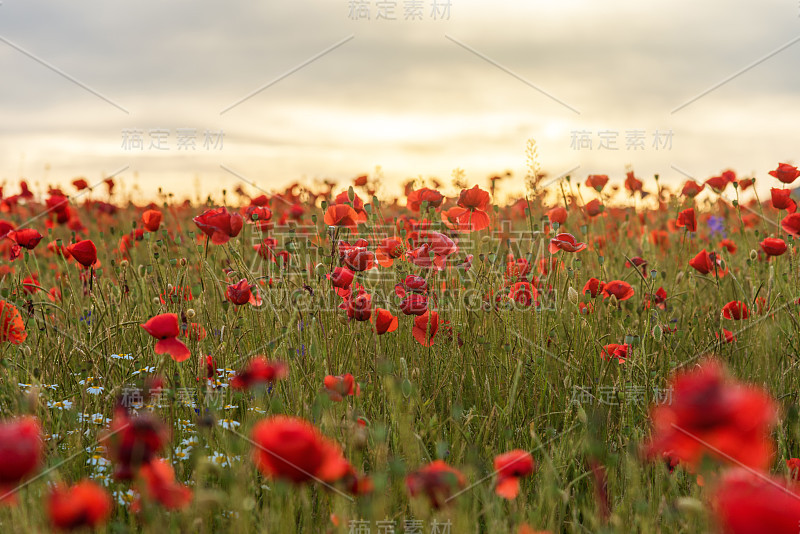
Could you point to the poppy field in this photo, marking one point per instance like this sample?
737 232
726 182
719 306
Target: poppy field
599 354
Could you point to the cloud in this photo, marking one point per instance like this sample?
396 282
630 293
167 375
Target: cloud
400 94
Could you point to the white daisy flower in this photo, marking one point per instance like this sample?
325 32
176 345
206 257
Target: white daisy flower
229 424
222 460
98 461
191 441
100 477
182 453
125 498
60 405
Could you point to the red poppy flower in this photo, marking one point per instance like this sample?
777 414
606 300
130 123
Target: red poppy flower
632 184
613 350
341 215
384 321
84 505
341 277
259 371
597 181
705 263
782 200
413 283
80 184
750 503
423 256
414 304
736 310
151 219
26 238
773 246
293 449
557 214
343 199
12 327
176 295
84 252
729 246
785 173
518 268
425 328
159 478
219 224
388 250
791 224
691 189
523 293
242 292
359 306
719 183
711 414
437 480
166 329
727 334
21 452
470 212
31 283
338 387
359 259
593 208
415 198
565 242
658 298
637 261
474 199
133 441
510 467
594 287
620 289
686 219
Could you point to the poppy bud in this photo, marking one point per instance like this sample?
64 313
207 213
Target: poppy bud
156 301
657 333
182 262
582 415
351 194
170 287
679 277
124 264
572 295
613 301
319 269
753 255
190 313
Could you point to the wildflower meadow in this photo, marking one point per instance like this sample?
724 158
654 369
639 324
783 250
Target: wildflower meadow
600 354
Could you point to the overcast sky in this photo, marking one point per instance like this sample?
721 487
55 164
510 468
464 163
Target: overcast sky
417 97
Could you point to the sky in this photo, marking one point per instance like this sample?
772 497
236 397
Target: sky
271 93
